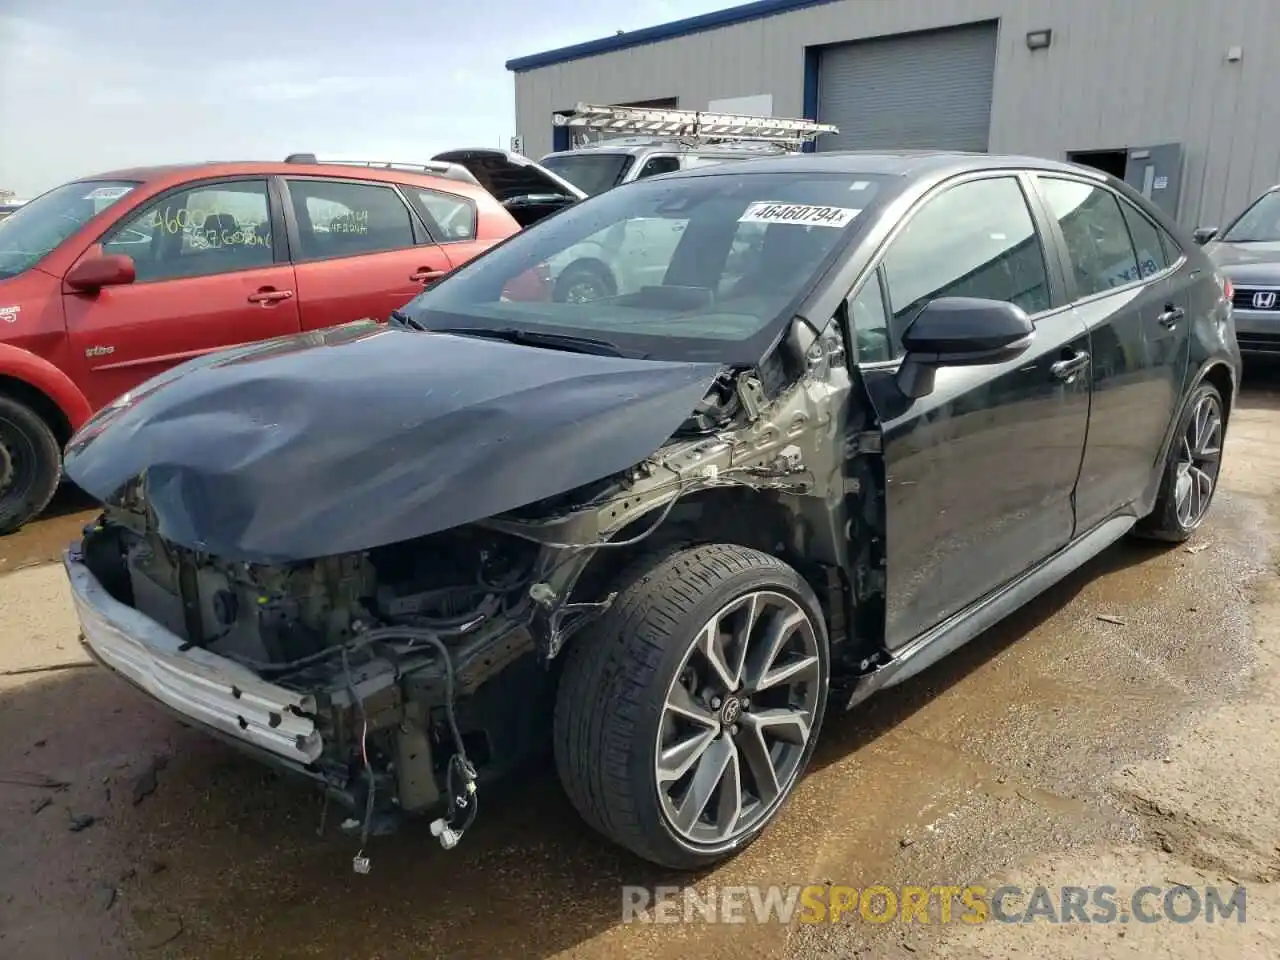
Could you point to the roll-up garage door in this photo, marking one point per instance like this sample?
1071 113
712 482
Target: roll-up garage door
921 90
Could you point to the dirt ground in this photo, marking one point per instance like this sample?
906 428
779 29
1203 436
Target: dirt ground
1124 730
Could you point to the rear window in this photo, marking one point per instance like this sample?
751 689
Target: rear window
591 173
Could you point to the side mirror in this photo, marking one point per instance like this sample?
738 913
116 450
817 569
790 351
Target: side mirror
93 273
960 332
1203 235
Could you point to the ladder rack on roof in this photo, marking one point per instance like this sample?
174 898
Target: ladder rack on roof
453 171
695 124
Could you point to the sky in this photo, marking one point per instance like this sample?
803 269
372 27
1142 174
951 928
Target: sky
86 86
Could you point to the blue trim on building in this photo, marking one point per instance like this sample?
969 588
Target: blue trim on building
812 61
663 31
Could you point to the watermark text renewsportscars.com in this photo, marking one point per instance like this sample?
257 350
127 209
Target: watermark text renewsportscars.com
971 904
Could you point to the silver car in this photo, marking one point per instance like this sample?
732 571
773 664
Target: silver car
1248 252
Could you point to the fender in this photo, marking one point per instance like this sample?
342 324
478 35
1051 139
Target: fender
1171 431
43 376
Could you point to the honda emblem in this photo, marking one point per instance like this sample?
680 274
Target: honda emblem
1264 300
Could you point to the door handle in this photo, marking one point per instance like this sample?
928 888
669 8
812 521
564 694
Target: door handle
270 296
426 274
1169 319
1066 369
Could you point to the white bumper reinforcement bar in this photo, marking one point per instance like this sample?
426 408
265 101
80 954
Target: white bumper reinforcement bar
209 689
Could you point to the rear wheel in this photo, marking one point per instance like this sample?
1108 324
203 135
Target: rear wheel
1191 471
687 715
583 281
30 464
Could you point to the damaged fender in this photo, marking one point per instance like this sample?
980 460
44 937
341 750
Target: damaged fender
346 439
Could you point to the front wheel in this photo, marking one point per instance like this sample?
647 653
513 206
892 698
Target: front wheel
687 714
1191 471
30 464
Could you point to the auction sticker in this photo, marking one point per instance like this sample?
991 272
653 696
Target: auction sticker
803 214
107 193
10 314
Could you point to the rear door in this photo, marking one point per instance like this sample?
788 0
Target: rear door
358 251
980 473
1132 297
212 271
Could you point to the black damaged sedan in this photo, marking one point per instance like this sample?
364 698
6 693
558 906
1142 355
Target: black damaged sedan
830 417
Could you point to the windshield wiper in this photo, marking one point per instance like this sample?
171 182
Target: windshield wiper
404 320
537 338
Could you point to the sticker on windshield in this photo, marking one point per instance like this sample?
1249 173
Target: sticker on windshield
107 193
859 184
804 214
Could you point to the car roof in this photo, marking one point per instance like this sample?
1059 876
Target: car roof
901 163
165 175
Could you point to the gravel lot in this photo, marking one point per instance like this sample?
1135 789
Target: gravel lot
1124 729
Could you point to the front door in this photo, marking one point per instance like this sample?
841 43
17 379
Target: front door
357 251
1130 286
979 473
1156 173
211 273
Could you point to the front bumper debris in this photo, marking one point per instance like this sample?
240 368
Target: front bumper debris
211 690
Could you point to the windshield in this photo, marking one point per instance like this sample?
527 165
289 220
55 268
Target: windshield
32 231
690 268
591 173
1259 224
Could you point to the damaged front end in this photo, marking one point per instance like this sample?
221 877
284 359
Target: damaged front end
401 673
360 670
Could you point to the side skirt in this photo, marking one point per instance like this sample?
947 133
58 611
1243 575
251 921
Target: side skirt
946 637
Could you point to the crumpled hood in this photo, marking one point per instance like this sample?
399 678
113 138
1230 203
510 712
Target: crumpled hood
1247 263
363 435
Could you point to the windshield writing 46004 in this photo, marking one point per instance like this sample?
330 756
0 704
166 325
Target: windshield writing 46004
205 228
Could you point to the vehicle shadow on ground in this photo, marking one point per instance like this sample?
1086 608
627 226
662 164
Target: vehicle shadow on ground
42 540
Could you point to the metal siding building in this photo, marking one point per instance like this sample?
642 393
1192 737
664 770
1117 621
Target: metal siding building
1118 75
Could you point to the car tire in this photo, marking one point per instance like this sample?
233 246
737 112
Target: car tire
618 737
1190 477
583 281
30 464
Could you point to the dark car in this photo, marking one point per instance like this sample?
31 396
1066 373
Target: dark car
1248 253
872 405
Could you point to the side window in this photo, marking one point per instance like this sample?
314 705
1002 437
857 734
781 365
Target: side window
1146 240
208 229
338 219
450 218
656 165
976 239
1097 238
870 322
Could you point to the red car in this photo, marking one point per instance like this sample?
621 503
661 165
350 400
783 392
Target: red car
107 281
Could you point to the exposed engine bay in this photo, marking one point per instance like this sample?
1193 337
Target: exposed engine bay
375 637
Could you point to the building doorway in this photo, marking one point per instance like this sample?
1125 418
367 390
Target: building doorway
1108 161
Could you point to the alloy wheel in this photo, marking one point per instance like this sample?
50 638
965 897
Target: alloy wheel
1199 459
737 719
584 291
